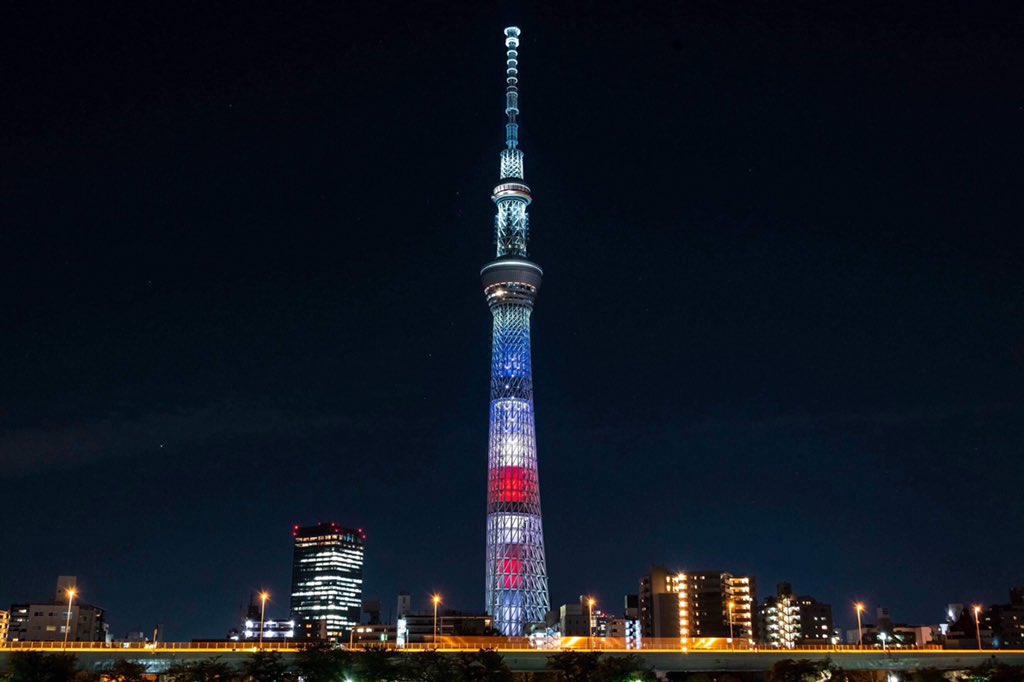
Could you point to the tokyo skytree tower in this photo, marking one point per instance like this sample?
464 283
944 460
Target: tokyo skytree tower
517 578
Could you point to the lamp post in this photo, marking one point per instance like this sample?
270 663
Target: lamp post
264 596
731 605
977 624
883 636
590 622
437 600
67 622
860 631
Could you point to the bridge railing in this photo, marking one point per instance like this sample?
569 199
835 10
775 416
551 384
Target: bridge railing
461 644
72 647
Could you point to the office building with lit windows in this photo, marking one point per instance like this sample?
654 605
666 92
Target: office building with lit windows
787 620
697 605
327 580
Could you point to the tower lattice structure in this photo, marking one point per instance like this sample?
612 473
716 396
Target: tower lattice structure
517 579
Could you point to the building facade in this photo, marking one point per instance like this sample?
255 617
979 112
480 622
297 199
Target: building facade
327 580
5 624
516 580
886 634
658 605
787 620
697 605
1006 621
48 621
274 630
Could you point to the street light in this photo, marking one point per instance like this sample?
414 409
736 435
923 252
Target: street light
264 596
67 623
860 631
977 624
731 605
590 622
883 636
437 600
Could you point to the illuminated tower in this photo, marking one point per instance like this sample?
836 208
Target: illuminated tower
517 578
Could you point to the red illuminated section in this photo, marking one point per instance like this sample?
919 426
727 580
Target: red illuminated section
511 571
512 484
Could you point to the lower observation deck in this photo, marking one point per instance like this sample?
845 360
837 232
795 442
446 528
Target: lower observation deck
511 280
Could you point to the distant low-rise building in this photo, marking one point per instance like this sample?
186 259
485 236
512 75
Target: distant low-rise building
49 621
965 631
885 634
787 620
627 630
273 630
5 624
574 619
373 634
419 628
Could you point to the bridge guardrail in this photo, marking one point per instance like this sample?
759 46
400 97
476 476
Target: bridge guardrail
462 644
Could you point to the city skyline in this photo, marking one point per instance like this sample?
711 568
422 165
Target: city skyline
780 329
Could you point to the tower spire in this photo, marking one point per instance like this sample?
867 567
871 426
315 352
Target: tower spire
516 590
512 195
511 87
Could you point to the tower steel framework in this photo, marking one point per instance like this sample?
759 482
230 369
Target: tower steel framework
517 578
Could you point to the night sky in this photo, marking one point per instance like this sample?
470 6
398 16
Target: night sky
780 332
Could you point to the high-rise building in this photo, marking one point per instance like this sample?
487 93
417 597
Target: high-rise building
700 605
516 586
658 605
48 621
787 621
327 580
715 604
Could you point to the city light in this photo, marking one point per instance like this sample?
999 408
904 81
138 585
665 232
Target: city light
436 599
264 596
71 592
860 630
977 624
590 621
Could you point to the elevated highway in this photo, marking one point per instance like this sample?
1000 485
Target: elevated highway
521 659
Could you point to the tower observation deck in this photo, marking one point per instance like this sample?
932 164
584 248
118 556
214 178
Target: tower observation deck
516 589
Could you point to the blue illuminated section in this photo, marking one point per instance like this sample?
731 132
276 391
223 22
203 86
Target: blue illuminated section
516 590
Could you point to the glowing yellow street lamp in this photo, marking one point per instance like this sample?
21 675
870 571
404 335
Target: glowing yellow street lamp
437 600
977 624
860 631
67 622
590 622
264 596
